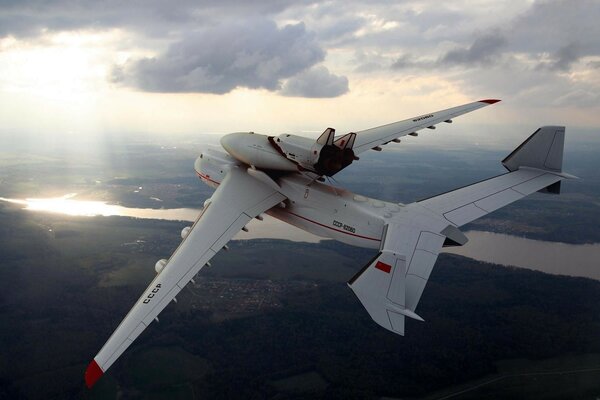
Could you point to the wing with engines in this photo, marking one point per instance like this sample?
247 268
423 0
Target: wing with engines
375 137
239 198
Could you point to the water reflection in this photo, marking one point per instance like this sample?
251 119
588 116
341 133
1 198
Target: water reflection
549 257
88 208
270 228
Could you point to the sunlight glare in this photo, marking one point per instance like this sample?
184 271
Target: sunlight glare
67 205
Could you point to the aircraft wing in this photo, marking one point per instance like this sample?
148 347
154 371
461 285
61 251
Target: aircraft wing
390 285
238 199
534 166
467 204
374 137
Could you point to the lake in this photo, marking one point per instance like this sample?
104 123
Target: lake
549 257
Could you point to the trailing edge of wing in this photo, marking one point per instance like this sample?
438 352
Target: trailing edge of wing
374 137
237 200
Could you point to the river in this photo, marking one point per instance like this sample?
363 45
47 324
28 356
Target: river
550 257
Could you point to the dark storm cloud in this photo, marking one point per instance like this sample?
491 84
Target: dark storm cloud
253 54
316 82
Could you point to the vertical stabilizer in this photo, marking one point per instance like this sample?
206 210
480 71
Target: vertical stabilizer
542 150
326 138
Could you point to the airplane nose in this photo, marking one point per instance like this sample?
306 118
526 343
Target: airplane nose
226 142
230 142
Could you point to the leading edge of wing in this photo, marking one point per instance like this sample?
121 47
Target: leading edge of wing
237 200
373 137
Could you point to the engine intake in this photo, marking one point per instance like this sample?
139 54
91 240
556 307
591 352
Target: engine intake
160 265
185 232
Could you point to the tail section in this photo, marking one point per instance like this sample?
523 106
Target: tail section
373 285
391 284
542 150
327 137
346 141
334 155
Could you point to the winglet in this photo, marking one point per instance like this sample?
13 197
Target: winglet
92 374
489 101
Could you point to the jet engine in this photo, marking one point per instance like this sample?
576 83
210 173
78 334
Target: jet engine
286 152
160 264
185 232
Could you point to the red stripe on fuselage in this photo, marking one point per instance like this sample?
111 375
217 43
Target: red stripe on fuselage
329 227
201 176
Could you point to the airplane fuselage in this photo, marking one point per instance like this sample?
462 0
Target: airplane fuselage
318 208
284 176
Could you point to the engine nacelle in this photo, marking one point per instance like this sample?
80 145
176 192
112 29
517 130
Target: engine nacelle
160 264
185 232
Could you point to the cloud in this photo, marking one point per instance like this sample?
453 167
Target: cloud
409 61
253 53
546 55
562 59
404 61
316 82
483 50
549 25
30 18
534 51
580 97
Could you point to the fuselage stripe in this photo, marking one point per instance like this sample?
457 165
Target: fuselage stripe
207 178
333 229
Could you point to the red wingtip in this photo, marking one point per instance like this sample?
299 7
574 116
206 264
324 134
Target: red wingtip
489 101
92 374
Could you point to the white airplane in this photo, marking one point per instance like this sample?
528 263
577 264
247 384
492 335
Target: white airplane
282 176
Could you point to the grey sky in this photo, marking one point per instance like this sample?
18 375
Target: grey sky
254 54
542 55
215 46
